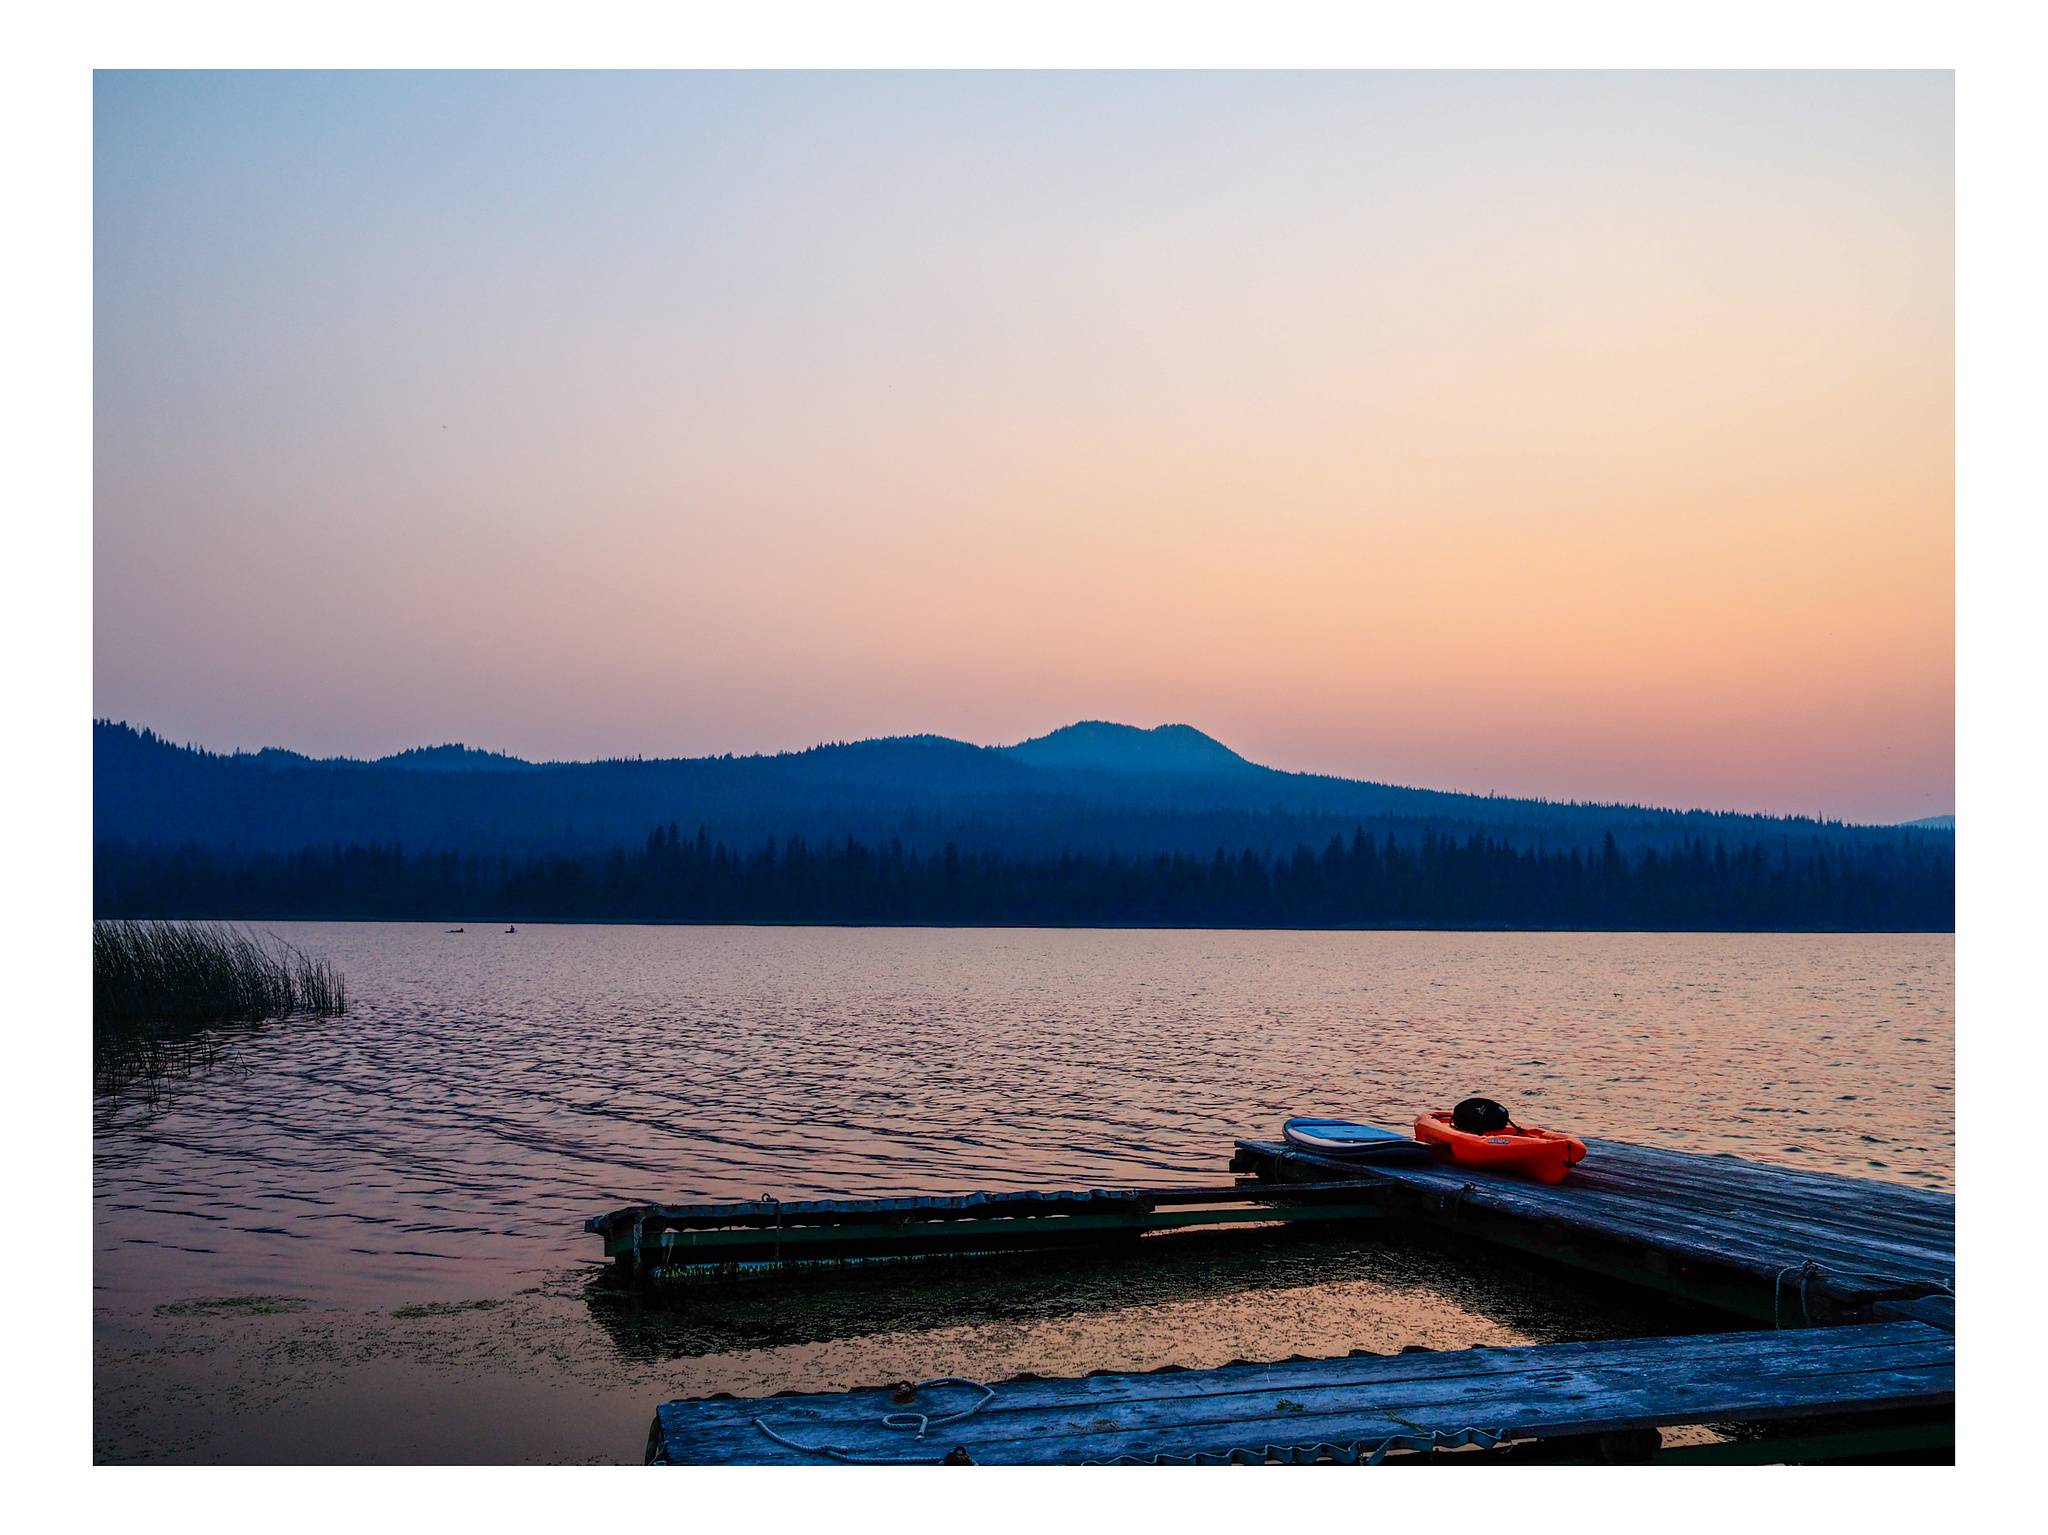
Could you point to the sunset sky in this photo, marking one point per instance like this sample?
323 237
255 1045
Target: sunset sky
1579 435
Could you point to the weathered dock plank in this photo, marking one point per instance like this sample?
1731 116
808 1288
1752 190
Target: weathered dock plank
1768 1242
653 1240
1934 1310
1346 1409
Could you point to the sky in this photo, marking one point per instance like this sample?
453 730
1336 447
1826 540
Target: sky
1588 436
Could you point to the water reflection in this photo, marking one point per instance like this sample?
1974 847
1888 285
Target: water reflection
448 1137
134 1067
1415 1276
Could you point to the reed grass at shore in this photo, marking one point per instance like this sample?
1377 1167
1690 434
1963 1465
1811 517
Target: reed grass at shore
177 973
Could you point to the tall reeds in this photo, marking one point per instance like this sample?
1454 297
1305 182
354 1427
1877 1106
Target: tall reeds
150 974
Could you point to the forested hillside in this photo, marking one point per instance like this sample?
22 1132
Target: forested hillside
1435 882
1095 824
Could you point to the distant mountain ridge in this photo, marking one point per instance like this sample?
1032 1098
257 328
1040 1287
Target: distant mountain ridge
1094 788
455 758
1090 745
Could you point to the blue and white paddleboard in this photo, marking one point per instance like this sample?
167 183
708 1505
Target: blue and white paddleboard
1342 1138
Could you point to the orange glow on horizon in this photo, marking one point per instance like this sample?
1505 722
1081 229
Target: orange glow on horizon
1598 444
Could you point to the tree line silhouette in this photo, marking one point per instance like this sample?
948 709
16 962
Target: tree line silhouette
1433 881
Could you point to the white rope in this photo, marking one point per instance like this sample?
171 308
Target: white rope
1806 1270
902 1421
1810 1269
924 1422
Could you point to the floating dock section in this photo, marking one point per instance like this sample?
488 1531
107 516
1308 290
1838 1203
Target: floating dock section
1769 1243
1611 1398
653 1244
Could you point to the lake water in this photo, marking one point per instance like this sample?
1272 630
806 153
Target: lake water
489 1091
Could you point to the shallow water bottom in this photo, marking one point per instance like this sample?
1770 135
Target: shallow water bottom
569 1372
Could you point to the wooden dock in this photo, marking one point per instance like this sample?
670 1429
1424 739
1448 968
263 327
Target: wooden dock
1773 1244
1604 1400
1856 1278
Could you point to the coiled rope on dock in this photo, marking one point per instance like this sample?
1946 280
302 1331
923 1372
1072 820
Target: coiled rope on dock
903 1421
1362 1453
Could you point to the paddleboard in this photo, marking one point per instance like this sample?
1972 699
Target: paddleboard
1353 1142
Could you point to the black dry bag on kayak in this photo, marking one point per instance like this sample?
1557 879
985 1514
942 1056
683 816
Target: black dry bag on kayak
1480 1116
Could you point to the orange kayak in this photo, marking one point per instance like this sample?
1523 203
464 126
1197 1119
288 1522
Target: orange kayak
1542 1154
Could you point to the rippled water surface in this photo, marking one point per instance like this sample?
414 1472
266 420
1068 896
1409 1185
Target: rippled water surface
489 1091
